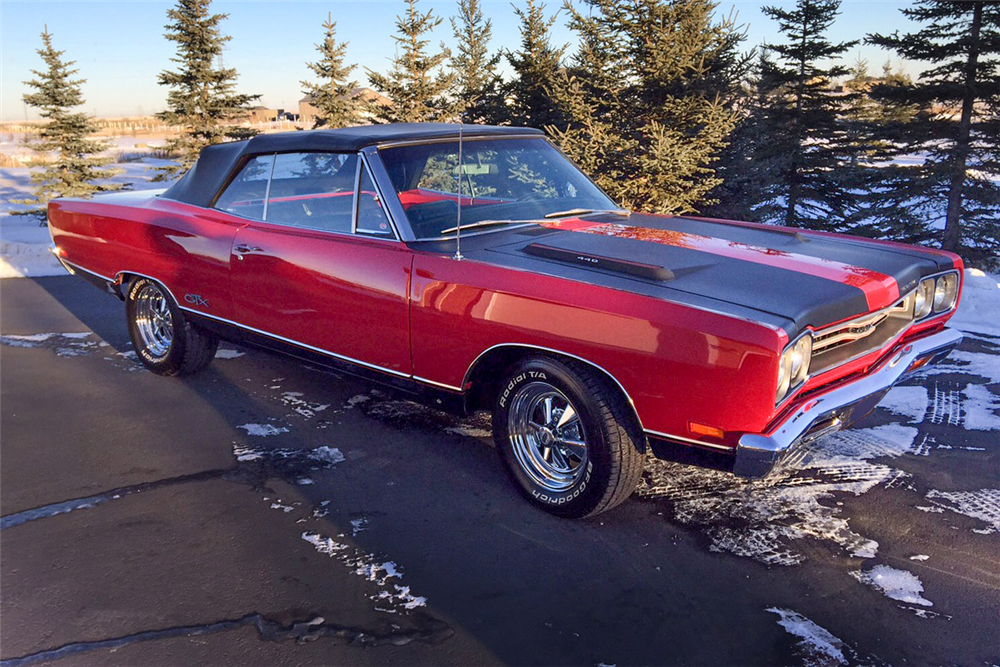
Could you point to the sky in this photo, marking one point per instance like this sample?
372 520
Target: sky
119 47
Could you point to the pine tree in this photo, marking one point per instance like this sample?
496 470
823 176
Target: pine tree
537 66
479 86
804 122
202 98
958 126
76 166
332 95
882 201
749 167
650 99
417 85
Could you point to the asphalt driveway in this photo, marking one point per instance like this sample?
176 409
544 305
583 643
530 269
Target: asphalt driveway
267 512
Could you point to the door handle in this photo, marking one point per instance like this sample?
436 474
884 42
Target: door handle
243 249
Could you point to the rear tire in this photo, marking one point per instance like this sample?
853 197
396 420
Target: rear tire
165 341
567 437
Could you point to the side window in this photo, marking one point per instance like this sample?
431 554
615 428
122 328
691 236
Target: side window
371 217
244 196
314 190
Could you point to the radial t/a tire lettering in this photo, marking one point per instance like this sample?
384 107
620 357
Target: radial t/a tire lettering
567 437
165 341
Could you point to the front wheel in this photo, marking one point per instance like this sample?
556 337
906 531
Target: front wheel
164 341
567 437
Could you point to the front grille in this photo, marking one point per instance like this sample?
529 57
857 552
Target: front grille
848 340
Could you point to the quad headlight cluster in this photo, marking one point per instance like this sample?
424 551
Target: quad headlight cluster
932 296
793 368
935 295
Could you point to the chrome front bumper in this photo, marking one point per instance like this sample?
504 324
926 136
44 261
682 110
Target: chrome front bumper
757 454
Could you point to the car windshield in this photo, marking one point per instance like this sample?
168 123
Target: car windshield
502 181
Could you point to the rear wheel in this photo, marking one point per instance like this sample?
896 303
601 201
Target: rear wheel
567 437
164 340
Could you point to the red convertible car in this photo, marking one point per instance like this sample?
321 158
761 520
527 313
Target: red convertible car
478 268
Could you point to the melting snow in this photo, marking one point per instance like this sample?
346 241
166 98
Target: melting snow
294 400
894 584
359 525
983 504
367 566
763 519
262 430
981 407
908 402
325 456
228 354
816 645
980 304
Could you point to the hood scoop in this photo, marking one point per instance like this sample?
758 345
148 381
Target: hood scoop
597 261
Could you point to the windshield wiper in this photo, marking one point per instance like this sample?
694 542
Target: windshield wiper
585 211
483 223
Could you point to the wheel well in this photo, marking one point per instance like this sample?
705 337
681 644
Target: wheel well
488 370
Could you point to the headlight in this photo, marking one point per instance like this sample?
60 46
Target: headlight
924 299
793 367
945 292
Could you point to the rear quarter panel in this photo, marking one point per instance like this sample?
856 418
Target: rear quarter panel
186 248
677 363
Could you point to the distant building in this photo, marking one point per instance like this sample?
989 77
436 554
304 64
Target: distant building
260 114
307 111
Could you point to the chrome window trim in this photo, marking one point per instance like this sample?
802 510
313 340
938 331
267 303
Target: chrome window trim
363 158
357 194
267 190
392 206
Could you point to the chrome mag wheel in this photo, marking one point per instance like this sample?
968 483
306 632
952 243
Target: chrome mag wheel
153 321
547 436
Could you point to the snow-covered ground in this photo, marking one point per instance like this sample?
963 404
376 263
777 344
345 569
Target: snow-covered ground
24 244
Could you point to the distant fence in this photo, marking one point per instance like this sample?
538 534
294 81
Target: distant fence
135 126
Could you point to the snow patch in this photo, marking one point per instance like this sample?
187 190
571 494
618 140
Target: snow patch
321 456
983 504
223 353
763 519
294 400
908 402
370 568
817 647
262 430
356 400
980 305
981 407
359 525
894 584
919 557
470 431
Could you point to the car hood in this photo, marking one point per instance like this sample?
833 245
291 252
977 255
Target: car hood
806 278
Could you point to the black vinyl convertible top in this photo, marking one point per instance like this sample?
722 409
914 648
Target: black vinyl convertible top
202 181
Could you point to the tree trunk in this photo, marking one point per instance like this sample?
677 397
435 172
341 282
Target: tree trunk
953 224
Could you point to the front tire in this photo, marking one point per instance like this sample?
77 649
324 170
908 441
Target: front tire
165 341
567 437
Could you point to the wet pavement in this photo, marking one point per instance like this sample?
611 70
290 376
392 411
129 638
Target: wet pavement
267 512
